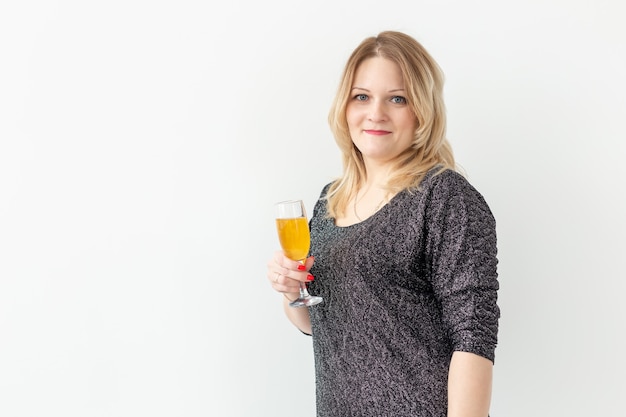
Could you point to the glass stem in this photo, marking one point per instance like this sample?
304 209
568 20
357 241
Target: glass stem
303 290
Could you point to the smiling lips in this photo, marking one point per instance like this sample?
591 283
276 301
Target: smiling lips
377 132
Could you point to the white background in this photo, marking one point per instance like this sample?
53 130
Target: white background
143 143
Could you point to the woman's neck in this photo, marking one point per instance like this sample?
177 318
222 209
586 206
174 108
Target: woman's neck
376 177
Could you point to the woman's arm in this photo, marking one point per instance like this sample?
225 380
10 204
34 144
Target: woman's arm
285 276
462 245
469 385
298 316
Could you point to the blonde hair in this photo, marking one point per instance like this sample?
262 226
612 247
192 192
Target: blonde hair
423 81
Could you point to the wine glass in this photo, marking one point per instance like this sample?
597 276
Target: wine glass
295 239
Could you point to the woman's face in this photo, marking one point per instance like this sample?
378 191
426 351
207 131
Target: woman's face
381 123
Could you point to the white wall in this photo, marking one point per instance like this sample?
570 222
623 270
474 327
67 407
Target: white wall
142 144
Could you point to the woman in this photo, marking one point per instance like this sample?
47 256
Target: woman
403 251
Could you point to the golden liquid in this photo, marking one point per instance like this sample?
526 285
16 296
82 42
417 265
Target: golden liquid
294 237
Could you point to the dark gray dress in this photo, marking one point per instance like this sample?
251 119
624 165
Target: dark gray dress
402 290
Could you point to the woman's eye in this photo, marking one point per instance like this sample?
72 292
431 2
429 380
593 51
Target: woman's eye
360 97
398 100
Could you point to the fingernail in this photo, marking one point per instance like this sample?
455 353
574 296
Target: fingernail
310 277
301 267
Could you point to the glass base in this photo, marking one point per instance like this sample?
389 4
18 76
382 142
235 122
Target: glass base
308 301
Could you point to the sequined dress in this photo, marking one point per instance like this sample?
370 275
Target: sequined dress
402 290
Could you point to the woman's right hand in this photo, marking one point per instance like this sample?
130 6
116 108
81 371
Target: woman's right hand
286 275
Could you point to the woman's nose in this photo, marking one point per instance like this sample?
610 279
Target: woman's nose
377 111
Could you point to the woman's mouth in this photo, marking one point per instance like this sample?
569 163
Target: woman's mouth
377 132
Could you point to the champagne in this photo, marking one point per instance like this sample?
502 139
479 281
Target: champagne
294 237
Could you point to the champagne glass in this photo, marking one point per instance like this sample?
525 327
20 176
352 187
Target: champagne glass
295 239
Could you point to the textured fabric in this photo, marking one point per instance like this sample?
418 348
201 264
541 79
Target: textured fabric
402 291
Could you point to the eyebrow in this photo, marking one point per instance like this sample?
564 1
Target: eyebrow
395 90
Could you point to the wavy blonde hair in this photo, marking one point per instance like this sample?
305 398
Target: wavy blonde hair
423 81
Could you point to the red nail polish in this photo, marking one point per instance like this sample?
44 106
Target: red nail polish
310 277
301 267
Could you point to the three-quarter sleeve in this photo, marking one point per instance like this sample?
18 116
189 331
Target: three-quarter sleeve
462 255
